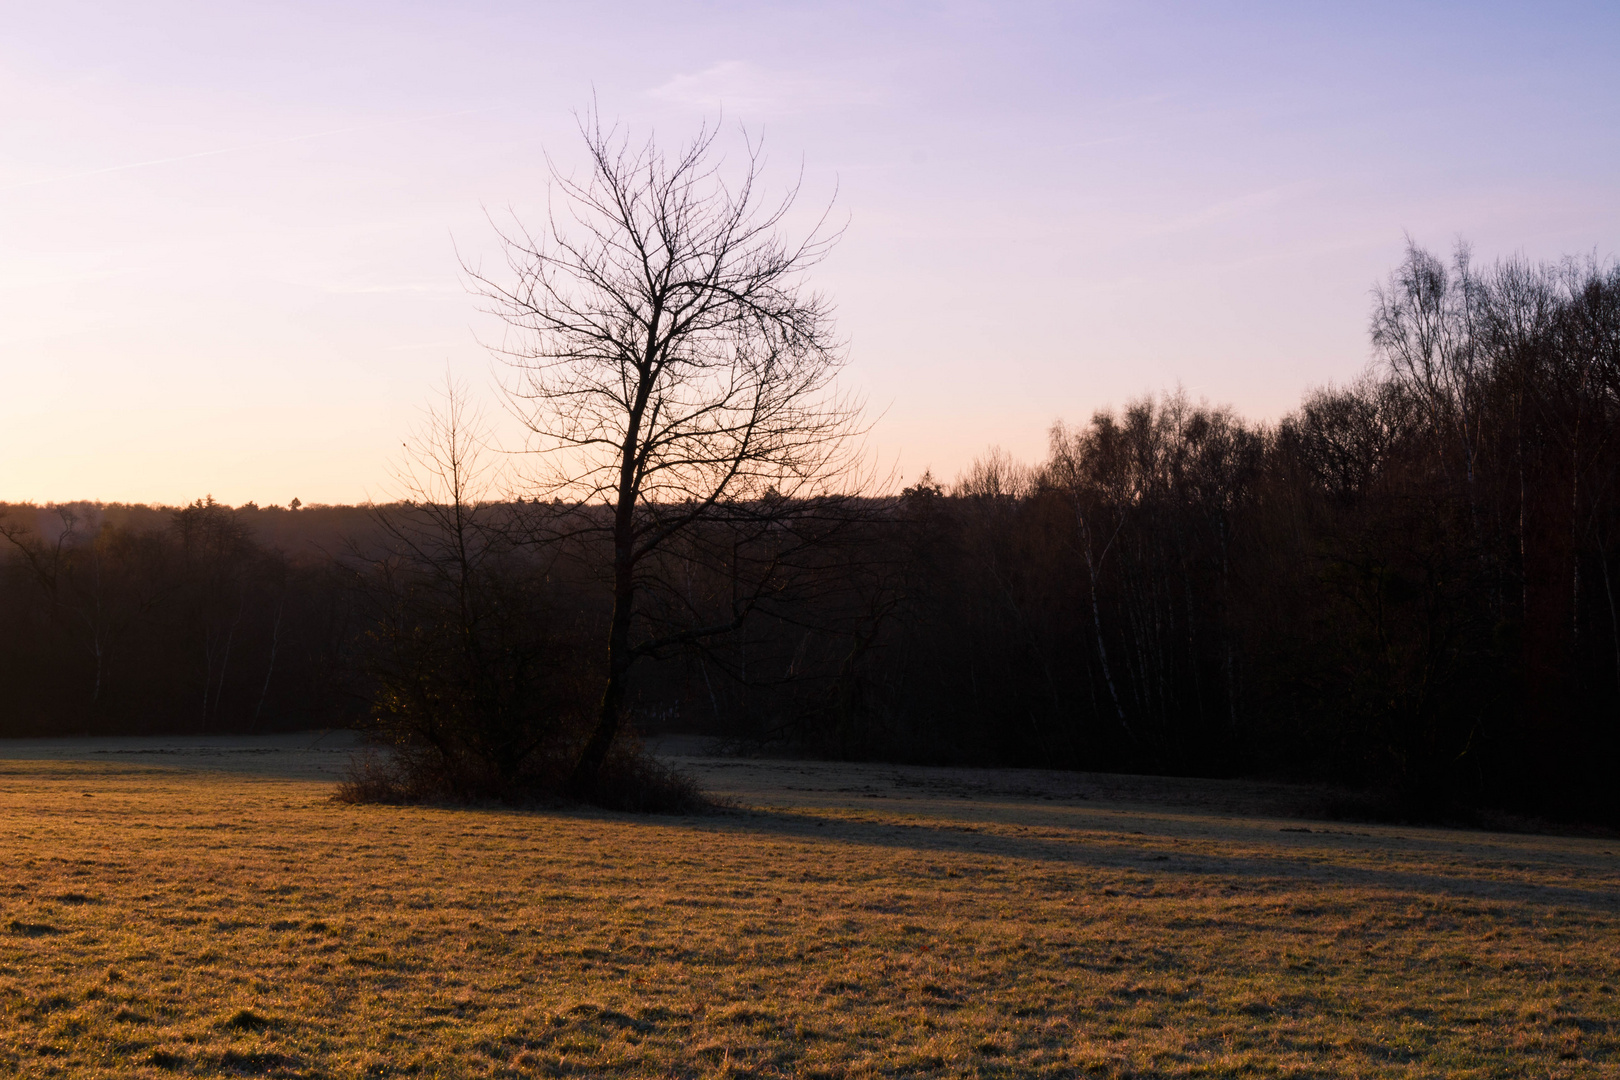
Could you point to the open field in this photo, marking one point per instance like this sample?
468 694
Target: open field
227 918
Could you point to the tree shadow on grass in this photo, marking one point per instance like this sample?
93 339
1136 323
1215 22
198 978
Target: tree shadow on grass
1294 859
1147 843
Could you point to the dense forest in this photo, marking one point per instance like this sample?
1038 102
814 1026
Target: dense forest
1407 584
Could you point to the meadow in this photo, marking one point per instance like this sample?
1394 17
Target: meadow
227 917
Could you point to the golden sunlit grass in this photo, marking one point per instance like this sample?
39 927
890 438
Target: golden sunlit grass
161 922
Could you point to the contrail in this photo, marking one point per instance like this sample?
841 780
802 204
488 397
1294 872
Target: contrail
244 146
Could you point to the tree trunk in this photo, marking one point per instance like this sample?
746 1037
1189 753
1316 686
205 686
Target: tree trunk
275 640
620 655
583 781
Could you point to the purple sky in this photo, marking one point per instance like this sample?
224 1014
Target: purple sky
228 232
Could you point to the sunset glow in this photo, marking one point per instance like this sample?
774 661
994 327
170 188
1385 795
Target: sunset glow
229 234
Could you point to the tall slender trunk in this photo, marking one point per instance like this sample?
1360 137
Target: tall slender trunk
620 654
1575 526
210 650
275 638
611 709
1096 623
224 666
208 678
1524 555
1614 618
96 628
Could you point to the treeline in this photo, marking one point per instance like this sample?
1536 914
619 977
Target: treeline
1408 584
202 619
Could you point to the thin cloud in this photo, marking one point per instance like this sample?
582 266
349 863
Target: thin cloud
399 287
418 346
1229 209
64 177
742 87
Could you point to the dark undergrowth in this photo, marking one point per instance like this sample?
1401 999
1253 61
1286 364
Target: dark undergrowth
631 780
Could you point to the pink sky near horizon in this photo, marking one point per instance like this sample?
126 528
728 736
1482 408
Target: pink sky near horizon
229 233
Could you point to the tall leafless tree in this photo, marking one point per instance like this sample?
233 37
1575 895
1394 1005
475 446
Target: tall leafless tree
674 369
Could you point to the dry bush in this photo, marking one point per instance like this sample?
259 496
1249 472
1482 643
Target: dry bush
377 777
631 780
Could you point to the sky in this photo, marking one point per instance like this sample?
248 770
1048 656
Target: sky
230 233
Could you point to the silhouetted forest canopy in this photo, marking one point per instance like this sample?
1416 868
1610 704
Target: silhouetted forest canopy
1407 584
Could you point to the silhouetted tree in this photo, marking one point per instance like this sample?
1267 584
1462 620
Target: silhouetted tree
1407 584
476 684
677 376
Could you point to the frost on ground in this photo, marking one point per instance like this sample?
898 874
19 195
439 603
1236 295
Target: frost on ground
203 908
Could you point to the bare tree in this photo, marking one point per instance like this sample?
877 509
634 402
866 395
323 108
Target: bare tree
51 566
674 369
1427 325
471 684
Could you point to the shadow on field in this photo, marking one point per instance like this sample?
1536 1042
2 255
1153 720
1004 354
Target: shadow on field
1167 828
1458 865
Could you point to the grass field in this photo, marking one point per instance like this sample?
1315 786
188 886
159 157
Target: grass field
843 921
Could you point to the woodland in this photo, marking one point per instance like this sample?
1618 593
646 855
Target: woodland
1407 586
